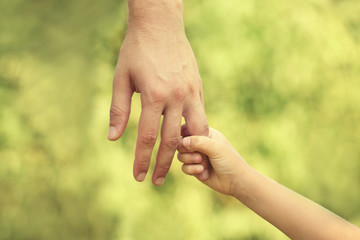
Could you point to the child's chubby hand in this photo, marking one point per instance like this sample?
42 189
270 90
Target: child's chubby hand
227 167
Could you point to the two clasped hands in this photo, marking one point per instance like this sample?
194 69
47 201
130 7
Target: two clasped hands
156 60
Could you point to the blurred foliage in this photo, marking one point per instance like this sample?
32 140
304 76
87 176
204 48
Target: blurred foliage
281 81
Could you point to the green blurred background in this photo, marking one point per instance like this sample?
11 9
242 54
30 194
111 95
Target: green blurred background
281 81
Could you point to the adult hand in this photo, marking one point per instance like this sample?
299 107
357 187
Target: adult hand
156 60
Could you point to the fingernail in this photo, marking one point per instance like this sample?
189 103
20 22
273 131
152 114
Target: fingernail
205 174
141 177
197 158
186 142
112 134
200 168
159 181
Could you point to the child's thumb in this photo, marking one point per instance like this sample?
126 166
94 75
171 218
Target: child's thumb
201 144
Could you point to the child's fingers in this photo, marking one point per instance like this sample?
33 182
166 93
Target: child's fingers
192 169
189 158
200 144
183 149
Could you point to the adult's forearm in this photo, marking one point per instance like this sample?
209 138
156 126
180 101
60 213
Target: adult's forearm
295 215
156 15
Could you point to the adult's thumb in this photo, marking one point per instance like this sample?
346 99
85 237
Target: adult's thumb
120 108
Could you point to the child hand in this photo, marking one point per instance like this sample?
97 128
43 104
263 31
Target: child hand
227 166
228 173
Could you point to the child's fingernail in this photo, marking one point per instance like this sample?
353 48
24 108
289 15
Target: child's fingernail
197 158
186 142
205 174
200 168
159 181
112 133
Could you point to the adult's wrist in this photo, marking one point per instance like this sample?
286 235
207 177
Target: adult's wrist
154 15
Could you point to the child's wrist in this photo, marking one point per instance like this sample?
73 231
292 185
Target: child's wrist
241 185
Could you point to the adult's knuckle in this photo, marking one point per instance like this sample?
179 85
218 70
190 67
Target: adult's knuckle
202 129
118 111
164 167
193 89
148 139
205 129
157 95
178 93
143 163
171 142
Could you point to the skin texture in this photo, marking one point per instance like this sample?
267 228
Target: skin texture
293 214
156 60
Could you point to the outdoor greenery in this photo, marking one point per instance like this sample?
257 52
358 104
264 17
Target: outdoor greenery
281 81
